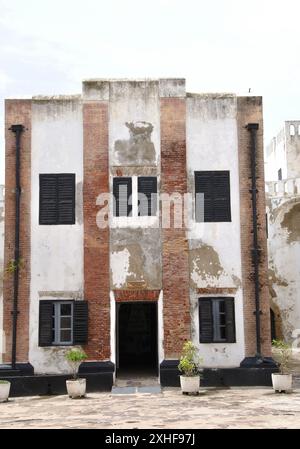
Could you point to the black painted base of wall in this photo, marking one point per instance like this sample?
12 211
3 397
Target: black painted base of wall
22 369
99 377
219 377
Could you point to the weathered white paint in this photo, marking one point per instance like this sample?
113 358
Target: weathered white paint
119 264
172 87
284 256
1 269
212 145
56 251
131 102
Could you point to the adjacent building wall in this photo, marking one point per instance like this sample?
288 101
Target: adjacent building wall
283 211
283 152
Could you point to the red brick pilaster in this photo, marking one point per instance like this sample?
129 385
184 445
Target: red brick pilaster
17 112
176 304
250 111
96 241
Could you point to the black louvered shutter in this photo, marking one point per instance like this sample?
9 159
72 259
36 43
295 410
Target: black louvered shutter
206 321
221 196
147 185
203 184
66 199
46 323
57 199
80 322
230 320
122 191
48 199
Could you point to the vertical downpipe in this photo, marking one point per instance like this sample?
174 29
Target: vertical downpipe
252 128
17 130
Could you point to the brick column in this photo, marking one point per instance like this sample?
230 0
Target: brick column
96 241
17 112
176 304
250 111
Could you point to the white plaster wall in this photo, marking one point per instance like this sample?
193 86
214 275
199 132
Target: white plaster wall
212 145
133 102
1 269
284 274
56 251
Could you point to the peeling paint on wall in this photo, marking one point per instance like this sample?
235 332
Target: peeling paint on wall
291 222
206 269
138 149
135 257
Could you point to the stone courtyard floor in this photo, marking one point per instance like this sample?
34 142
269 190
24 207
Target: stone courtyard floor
214 408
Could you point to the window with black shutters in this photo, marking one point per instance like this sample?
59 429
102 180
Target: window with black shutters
57 199
147 195
212 191
217 320
63 323
122 191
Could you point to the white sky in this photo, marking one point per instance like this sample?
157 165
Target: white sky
49 46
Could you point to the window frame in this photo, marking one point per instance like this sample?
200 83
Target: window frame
216 325
57 323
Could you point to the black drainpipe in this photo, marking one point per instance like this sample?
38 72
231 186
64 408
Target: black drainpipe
252 128
17 130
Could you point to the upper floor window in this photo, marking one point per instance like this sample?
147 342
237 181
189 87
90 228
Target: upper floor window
57 199
280 174
135 198
217 320
212 190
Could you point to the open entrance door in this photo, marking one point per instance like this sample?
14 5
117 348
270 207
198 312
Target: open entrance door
137 342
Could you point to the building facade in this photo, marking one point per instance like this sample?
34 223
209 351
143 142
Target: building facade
136 229
283 214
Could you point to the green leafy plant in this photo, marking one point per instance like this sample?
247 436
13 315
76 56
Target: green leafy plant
190 361
13 265
282 354
75 356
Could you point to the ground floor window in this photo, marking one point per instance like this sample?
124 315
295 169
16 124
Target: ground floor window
217 320
63 323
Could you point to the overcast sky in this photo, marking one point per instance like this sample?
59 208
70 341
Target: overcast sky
49 46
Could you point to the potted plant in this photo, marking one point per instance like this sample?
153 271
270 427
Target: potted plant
4 390
189 366
76 387
282 381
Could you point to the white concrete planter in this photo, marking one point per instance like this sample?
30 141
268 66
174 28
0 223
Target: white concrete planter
76 388
190 384
282 382
4 391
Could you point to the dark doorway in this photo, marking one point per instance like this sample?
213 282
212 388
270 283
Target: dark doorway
273 325
137 346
